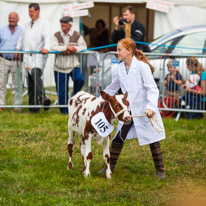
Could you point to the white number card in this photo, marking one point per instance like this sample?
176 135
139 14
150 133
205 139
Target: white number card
101 125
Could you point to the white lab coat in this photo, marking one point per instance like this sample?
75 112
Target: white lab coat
34 39
142 94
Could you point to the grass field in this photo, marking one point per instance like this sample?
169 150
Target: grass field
33 160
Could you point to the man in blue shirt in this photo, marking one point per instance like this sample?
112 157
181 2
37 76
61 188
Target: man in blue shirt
9 36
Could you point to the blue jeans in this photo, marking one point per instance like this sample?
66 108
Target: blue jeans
62 88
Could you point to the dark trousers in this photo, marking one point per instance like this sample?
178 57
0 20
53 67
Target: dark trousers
194 102
122 134
36 91
62 88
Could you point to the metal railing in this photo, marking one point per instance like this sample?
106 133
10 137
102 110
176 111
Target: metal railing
86 59
97 74
177 102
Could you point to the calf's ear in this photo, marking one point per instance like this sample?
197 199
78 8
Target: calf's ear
104 95
126 94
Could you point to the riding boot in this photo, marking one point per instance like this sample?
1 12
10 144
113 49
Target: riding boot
115 151
158 161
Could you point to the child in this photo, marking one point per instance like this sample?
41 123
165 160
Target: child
173 80
195 97
193 82
134 75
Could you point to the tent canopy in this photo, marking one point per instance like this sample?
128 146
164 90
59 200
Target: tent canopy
197 3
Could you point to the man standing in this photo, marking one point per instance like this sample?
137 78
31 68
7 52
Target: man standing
138 31
35 37
67 64
9 36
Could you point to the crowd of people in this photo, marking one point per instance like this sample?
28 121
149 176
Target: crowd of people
35 36
194 87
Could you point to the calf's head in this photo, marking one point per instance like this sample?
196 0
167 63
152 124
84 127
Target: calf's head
119 105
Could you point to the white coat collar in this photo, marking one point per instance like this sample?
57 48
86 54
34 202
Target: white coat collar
133 65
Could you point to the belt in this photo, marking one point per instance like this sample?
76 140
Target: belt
7 58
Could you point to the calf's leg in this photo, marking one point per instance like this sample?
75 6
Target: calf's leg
70 148
88 155
106 157
82 146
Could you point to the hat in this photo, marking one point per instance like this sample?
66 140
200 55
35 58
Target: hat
193 80
66 19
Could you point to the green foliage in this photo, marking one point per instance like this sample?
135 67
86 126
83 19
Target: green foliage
33 161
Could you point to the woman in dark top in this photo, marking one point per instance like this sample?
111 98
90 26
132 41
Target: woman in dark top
102 35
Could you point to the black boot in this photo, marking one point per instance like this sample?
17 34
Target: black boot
115 151
158 161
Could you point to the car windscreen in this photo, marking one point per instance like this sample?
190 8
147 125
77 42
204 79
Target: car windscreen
193 43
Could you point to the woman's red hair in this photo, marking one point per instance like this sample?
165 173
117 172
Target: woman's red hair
129 44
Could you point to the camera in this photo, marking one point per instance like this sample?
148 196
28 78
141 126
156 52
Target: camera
122 21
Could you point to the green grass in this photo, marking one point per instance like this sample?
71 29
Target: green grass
33 160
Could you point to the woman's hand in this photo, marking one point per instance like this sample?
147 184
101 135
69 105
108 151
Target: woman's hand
149 113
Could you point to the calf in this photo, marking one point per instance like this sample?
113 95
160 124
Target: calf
82 107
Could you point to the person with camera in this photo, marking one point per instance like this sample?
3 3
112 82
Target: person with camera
138 31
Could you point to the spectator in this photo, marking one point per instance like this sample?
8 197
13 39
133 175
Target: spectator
67 64
195 97
9 36
138 31
102 34
173 80
35 37
193 82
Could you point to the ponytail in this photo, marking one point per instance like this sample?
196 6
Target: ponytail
142 57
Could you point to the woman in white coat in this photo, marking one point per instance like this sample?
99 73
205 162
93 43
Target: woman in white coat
134 75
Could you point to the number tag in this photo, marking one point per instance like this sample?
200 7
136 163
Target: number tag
101 125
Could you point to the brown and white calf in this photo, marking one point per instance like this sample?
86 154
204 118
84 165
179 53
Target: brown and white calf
82 107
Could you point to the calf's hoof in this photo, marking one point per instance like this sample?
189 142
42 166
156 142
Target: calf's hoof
69 166
109 176
86 175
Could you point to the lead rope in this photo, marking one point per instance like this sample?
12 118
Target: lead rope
116 115
153 120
